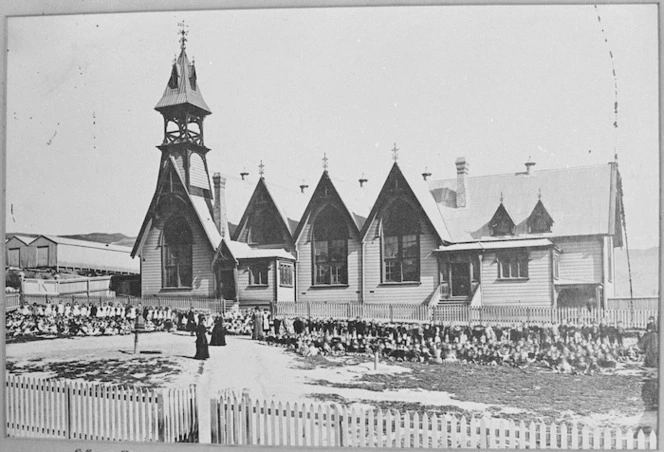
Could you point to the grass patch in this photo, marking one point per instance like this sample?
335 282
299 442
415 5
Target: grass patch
539 394
146 372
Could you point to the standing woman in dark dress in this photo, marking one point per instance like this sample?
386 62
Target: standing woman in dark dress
218 333
191 322
202 351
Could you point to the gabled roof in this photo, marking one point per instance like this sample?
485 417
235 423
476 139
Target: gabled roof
578 198
496 245
182 87
540 211
421 191
500 214
25 239
198 204
289 203
357 220
357 200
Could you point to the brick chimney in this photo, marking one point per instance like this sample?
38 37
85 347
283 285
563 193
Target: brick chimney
462 183
220 217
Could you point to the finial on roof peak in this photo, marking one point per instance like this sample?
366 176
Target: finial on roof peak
426 174
261 169
502 198
183 34
395 153
539 193
325 159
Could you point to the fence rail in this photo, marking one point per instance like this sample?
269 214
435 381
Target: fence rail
241 421
79 410
493 315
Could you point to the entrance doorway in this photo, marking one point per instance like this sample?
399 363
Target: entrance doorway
227 284
460 279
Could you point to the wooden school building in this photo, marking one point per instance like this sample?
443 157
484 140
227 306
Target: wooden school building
530 238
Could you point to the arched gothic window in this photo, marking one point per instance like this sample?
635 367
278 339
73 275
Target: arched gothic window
401 244
176 254
265 229
330 248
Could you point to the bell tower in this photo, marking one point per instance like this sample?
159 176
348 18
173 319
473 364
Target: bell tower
184 110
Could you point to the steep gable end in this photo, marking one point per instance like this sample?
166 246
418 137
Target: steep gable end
262 222
324 194
397 186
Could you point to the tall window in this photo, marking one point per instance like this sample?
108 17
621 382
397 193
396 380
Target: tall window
330 248
556 266
265 229
512 266
285 275
401 244
258 275
176 254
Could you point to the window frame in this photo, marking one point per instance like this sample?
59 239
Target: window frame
513 261
335 243
556 265
262 269
288 268
177 256
394 230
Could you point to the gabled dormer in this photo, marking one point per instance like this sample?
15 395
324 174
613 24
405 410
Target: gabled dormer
539 220
501 223
262 223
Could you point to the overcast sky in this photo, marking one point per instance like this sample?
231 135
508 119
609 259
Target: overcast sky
497 84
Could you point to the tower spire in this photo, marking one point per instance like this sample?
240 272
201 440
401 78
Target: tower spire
183 34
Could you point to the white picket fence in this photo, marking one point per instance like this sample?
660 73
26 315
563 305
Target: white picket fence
78 410
241 421
488 315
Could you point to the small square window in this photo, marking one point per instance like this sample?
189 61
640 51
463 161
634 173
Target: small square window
258 275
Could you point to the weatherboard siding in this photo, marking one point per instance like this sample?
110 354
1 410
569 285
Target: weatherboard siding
304 271
202 254
581 258
413 293
258 294
532 291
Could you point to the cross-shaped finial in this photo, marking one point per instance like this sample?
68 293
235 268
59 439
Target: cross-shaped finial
183 34
539 193
325 159
395 153
501 197
261 169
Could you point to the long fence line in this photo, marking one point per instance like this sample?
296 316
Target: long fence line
490 315
237 420
79 410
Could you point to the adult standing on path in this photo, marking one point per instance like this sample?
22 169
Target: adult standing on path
202 351
257 318
218 333
191 321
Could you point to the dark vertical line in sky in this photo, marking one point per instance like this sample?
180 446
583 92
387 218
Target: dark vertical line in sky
613 70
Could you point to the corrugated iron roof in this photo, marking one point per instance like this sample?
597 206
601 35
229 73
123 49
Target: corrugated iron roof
241 250
86 244
577 199
184 91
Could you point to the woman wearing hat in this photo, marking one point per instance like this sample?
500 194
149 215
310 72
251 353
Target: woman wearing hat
202 351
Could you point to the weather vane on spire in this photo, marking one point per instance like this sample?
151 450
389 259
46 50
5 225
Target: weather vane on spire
183 34
395 153
261 169
325 159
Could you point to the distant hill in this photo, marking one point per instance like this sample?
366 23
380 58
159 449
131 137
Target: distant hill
645 272
101 237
